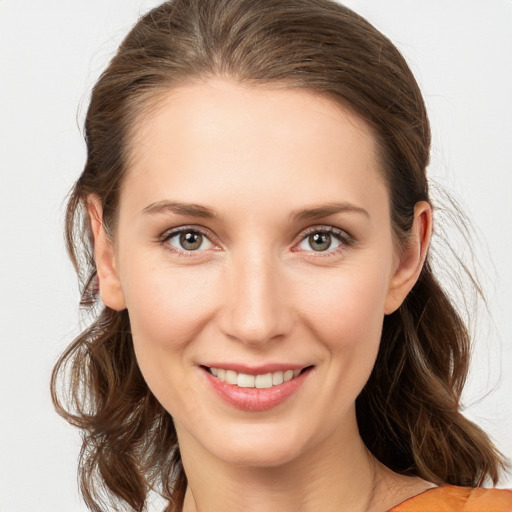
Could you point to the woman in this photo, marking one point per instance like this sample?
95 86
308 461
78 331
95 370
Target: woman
254 215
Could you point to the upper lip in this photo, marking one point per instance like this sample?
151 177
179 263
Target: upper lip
256 369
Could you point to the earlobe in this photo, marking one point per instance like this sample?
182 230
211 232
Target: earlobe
111 292
411 259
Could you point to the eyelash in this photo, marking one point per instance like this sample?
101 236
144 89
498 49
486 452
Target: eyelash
165 237
344 238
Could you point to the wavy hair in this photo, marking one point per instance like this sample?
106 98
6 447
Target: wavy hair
409 411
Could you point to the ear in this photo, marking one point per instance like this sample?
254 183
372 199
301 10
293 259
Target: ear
111 292
411 258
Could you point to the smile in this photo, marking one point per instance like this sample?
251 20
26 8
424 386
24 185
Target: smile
261 381
255 389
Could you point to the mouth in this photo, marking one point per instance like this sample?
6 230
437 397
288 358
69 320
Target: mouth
255 389
259 381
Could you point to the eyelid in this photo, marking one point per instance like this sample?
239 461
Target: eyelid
172 232
346 239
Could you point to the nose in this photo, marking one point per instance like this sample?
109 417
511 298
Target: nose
256 307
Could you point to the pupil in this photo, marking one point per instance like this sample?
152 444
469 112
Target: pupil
191 241
320 241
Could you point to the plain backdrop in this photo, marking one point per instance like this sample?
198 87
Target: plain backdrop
51 53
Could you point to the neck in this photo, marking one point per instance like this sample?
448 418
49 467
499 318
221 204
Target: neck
335 474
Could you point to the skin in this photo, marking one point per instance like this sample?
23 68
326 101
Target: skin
257 291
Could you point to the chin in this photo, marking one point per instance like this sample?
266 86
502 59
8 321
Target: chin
258 456
258 445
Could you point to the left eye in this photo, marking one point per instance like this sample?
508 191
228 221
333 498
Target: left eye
322 241
189 240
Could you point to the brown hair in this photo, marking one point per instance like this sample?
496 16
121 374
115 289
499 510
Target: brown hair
408 412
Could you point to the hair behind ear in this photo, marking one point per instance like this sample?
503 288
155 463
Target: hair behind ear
409 411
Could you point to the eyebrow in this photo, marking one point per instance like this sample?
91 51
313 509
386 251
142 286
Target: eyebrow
197 210
191 209
325 210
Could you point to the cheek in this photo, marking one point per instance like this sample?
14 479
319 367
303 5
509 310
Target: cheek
346 315
350 304
164 304
167 311
168 308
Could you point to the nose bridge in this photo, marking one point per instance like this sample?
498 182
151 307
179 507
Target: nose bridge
255 310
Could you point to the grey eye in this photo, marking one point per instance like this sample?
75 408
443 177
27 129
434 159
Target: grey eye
320 241
189 240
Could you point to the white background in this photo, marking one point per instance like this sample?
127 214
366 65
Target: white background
51 52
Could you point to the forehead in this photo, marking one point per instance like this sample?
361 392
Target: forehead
221 139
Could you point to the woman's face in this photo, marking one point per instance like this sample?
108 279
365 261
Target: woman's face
254 239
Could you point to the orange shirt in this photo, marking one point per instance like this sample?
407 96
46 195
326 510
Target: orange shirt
449 498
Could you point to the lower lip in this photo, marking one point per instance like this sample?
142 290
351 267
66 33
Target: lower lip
255 399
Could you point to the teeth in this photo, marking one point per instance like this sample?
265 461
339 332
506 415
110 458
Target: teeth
277 378
243 380
263 381
231 377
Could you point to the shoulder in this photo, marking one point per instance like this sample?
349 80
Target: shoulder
458 499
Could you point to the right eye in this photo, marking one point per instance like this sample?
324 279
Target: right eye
187 240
